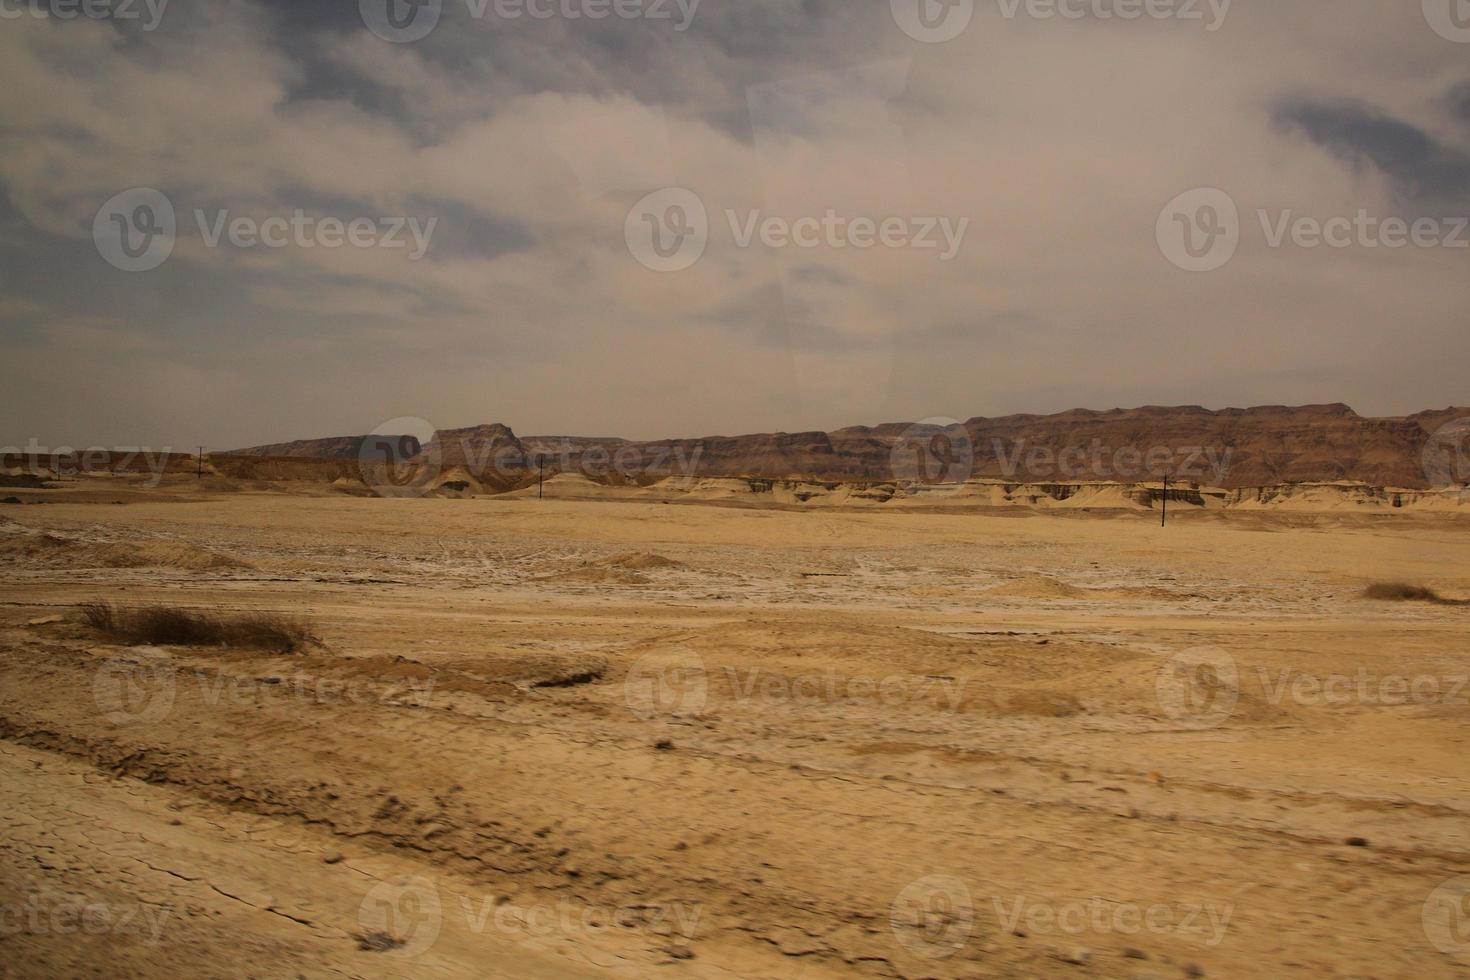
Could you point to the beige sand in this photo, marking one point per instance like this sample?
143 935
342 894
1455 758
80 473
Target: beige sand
579 738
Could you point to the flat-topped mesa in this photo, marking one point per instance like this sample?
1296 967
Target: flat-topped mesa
1231 448
477 448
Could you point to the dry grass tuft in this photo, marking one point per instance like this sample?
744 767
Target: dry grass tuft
168 626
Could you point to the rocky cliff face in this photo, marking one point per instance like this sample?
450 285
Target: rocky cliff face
1233 448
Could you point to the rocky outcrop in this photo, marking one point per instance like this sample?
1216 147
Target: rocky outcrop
1231 448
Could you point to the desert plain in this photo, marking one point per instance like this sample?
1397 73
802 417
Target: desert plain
644 738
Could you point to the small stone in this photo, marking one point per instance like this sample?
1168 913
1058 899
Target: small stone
1077 957
664 745
332 857
680 952
1357 842
1133 953
1193 970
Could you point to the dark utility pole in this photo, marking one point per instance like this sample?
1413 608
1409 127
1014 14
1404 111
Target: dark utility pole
540 477
199 472
1164 521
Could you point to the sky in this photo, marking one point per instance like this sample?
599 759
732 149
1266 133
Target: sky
655 218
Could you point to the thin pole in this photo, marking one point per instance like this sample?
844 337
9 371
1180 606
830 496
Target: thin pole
200 459
1164 521
541 477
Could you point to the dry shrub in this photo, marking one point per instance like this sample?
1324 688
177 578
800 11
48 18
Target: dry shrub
100 616
1403 592
168 626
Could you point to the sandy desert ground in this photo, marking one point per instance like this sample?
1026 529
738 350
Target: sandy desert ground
630 739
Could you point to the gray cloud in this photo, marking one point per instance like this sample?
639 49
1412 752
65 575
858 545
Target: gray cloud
1422 168
530 140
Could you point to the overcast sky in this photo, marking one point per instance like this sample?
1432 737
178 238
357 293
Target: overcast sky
1054 143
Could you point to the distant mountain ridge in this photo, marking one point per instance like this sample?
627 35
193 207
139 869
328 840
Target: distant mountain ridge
1229 448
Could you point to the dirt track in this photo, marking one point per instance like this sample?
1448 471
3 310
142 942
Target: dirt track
581 739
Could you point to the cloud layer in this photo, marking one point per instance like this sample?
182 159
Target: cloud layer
1058 139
